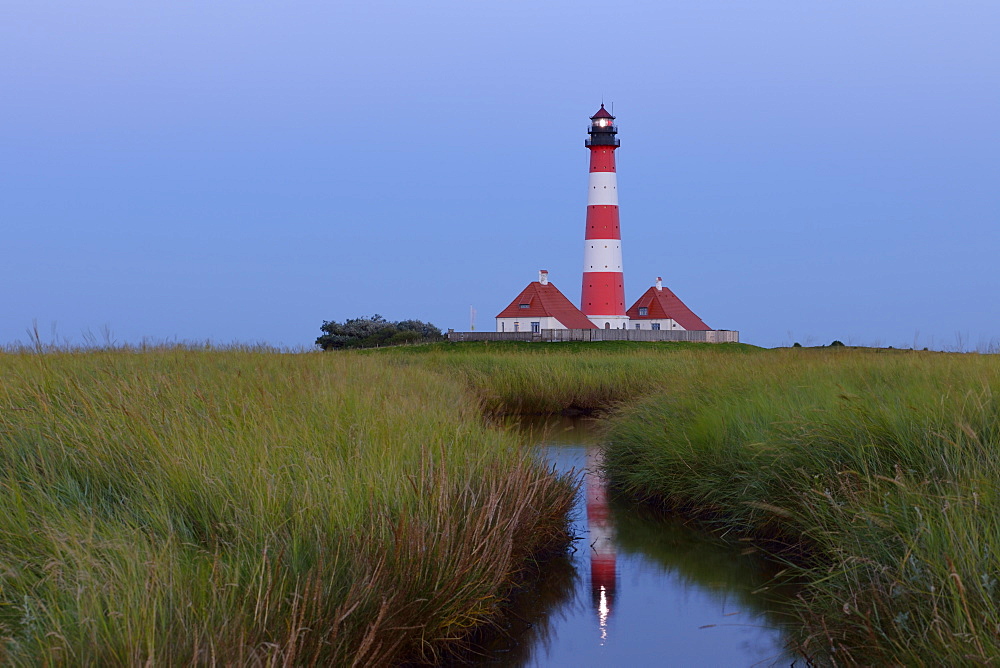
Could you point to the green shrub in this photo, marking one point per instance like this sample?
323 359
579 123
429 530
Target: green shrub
374 332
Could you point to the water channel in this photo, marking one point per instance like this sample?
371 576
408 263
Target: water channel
640 588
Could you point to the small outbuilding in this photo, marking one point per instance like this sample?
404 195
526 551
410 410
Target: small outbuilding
541 306
659 308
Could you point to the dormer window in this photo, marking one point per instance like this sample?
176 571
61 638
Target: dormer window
643 310
524 305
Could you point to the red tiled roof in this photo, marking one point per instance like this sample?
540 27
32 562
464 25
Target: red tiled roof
665 304
602 113
547 301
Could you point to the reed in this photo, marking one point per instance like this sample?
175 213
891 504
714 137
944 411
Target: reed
252 507
513 378
875 475
872 473
245 507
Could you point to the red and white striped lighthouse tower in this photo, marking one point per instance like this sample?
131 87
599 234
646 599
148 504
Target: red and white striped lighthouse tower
603 296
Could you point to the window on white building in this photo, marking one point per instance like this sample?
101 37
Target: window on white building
517 327
656 325
536 327
637 326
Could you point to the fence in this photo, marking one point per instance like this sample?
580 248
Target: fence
557 335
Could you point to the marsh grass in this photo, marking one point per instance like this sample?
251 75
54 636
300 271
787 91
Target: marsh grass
250 507
241 507
548 378
873 474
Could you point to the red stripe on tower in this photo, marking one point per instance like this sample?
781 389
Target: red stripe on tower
603 296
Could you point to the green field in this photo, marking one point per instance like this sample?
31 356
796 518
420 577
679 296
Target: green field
876 475
248 507
237 507
873 474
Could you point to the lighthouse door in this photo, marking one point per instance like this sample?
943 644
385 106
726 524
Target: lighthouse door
607 325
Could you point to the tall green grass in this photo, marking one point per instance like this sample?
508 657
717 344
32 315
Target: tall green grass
243 507
873 473
547 378
876 475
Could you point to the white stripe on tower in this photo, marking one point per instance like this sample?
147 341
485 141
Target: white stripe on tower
603 189
602 255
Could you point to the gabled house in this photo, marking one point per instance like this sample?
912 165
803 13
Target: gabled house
541 306
659 308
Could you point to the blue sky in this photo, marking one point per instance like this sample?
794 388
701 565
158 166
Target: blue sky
242 171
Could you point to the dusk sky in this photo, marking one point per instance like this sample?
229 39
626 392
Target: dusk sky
242 171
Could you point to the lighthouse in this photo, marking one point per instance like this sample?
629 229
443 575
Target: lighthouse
602 299
541 309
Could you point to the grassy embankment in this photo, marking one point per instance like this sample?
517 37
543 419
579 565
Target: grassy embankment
515 378
251 507
880 469
876 473
245 507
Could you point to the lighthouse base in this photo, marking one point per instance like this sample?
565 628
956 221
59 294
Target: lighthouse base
609 321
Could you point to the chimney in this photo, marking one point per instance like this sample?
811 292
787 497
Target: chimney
659 283
543 276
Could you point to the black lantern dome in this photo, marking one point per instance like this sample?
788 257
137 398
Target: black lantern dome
602 129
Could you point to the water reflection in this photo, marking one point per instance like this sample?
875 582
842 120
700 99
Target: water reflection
603 574
658 592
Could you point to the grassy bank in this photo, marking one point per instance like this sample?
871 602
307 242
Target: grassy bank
873 472
512 378
248 507
253 507
878 472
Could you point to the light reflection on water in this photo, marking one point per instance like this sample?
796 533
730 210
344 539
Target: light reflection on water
641 589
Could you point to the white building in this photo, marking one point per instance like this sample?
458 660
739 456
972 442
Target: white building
541 306
659 308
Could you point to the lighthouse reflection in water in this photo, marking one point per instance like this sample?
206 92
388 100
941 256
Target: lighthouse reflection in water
640 588
603 574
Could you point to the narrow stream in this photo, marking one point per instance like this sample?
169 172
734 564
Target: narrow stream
641 588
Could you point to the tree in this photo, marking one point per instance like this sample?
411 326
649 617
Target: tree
374 331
